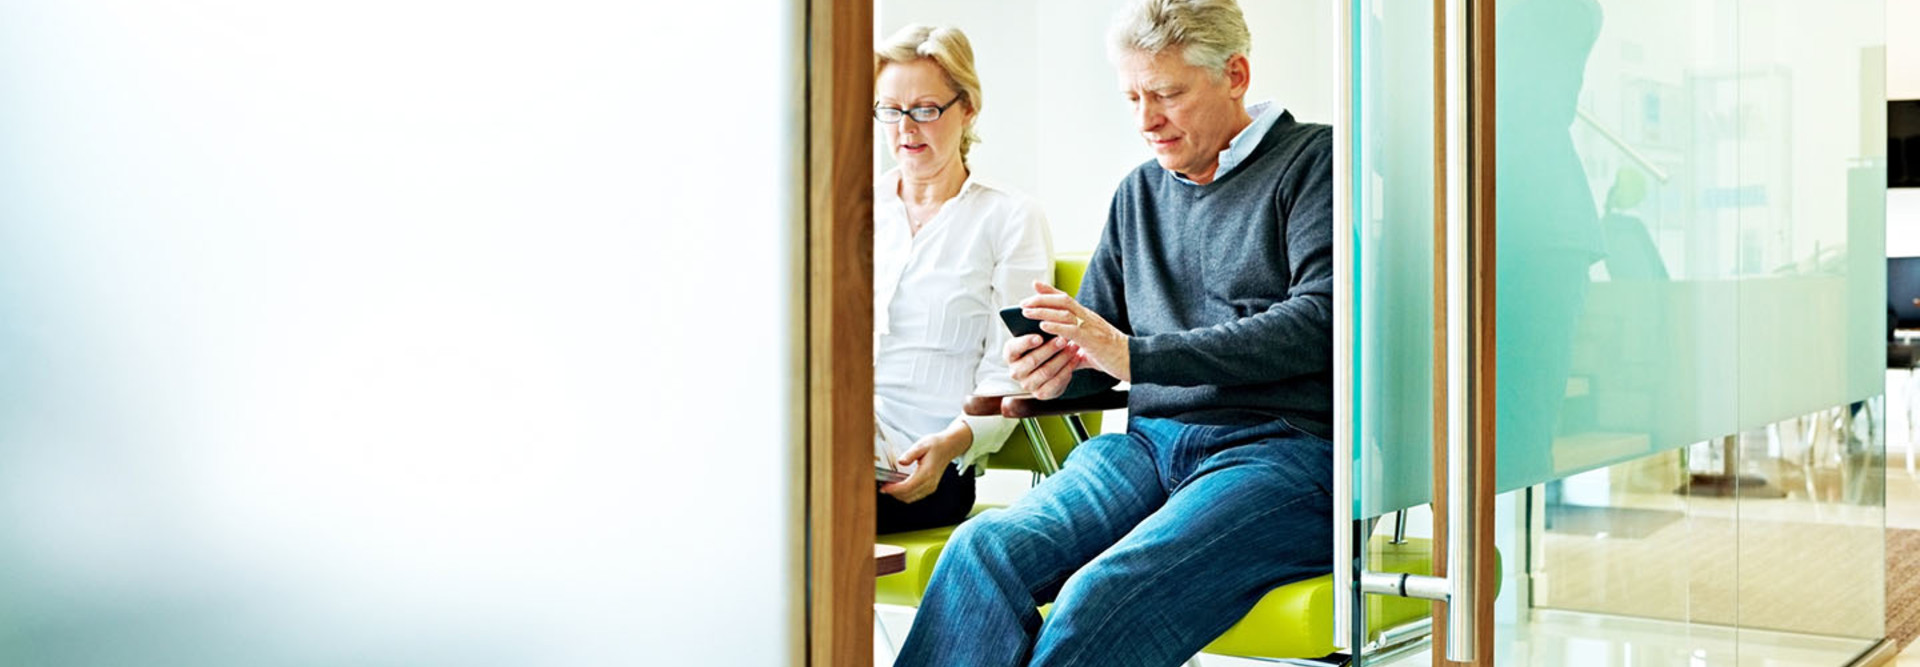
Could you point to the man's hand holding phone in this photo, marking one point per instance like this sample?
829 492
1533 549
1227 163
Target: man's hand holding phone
1068 337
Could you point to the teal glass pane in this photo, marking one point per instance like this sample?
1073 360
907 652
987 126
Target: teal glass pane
1677 256
1689 289
1611 296
1392 188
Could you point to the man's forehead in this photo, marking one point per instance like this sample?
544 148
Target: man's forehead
1139 71
1149 81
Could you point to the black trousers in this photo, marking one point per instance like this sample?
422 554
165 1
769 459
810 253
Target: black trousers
947 505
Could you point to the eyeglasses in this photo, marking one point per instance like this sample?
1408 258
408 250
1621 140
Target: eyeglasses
891 115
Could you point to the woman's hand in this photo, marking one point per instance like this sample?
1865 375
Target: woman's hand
1093 341
934 453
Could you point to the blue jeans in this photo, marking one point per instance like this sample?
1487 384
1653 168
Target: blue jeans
1148 544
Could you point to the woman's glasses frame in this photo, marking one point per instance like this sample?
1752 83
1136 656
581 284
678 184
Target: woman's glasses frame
920 114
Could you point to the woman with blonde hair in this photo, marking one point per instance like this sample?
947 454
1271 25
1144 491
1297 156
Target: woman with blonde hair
950 249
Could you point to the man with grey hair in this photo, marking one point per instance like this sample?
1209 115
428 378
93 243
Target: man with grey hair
1211 292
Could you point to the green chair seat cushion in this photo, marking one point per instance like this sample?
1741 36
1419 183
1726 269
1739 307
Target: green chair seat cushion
1296 620
905 587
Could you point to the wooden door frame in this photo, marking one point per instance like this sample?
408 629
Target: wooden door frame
839 332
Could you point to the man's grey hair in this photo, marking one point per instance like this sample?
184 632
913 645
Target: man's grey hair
1207 32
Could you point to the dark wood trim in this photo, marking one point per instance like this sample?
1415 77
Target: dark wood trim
1482 136
839 246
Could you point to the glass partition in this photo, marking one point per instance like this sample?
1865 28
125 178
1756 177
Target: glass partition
1689 283
1809 93
1690 229
1675 263
1393 191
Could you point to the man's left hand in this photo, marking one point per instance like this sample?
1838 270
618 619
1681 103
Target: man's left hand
1098 343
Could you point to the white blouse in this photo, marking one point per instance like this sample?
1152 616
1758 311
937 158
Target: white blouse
936 295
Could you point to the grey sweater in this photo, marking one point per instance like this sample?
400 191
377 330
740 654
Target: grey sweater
1226 288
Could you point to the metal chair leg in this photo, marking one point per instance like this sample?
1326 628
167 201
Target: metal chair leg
1079 426
1400 527
1042 454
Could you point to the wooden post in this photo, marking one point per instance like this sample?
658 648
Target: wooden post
839 243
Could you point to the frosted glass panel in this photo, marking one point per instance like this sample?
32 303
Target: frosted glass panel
1691 273
1393 214
1678 257
336 333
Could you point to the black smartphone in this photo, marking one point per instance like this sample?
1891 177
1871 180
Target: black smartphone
1022 325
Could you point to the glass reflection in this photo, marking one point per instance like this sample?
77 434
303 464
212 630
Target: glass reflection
1548 230
1689 276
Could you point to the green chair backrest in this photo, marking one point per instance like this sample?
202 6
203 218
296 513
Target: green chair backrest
1017 454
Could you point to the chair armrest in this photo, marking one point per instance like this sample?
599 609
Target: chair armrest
982 406
1022 408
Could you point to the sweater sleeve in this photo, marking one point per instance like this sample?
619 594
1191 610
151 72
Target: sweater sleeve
1289 338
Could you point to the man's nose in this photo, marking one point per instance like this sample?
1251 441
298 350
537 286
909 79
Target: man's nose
1146 116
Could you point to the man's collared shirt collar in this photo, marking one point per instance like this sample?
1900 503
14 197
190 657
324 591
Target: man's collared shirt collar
1264 114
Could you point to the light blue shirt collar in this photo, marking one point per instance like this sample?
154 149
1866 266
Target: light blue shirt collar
1264 114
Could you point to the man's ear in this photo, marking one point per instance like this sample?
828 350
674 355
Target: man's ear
1239 75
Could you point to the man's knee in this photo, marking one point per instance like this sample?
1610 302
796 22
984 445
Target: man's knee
1100 446
988 532
1087 584
1106 580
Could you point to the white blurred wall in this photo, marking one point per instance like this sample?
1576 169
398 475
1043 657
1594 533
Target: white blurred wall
399 332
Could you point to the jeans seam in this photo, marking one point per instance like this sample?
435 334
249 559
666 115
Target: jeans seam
1156 576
